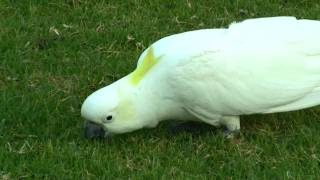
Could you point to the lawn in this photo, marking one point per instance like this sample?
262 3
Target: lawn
55 53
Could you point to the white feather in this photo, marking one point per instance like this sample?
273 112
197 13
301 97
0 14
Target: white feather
256 66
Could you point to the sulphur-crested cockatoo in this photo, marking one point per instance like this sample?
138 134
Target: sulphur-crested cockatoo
263 65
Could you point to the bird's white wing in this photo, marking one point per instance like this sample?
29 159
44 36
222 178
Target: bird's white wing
262 66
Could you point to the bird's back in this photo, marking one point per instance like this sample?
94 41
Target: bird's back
256 66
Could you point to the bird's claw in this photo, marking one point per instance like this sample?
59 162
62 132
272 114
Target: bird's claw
231 134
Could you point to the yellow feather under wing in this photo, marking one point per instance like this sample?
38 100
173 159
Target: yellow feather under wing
146 65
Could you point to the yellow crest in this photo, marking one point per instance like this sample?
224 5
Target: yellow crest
147 63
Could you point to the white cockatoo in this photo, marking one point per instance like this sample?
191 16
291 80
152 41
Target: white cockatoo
263 65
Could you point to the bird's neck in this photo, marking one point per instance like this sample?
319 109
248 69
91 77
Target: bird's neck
153 101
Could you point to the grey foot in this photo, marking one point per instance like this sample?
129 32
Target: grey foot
231 134
232 125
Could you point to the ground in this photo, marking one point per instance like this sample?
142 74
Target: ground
55 53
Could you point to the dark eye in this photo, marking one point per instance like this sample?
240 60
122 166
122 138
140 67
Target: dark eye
108 118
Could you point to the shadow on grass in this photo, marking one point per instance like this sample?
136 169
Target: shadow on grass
253 127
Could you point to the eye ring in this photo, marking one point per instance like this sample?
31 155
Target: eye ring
109 118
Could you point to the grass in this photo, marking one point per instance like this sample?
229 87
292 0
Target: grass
54 53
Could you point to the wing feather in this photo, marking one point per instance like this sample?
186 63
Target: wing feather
261 66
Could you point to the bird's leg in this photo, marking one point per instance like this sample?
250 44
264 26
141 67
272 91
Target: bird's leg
232 125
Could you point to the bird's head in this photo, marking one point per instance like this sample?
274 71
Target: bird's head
125 105
114 109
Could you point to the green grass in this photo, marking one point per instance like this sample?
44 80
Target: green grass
44 78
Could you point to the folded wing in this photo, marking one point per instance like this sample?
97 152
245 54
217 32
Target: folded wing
262 66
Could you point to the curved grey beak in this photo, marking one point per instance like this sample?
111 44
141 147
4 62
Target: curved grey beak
93 130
